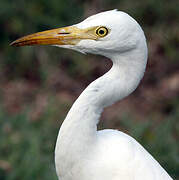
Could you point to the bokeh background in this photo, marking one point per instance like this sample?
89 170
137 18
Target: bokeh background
39 84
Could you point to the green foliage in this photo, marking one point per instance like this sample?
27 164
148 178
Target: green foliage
27 151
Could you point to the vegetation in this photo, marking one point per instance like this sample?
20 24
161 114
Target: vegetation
39 84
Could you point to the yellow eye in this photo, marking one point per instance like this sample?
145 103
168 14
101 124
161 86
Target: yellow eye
101 31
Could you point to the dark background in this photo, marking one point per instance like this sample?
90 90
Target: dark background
39 84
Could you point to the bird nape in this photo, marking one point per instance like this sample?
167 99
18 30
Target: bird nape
82 152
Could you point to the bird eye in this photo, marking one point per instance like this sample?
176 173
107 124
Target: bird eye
101 31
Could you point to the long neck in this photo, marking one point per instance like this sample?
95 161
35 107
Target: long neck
80 125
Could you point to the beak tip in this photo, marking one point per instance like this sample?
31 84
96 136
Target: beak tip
13 44
18 43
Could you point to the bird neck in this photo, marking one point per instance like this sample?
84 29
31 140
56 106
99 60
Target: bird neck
80 125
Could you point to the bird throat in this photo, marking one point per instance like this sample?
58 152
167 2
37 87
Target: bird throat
78 132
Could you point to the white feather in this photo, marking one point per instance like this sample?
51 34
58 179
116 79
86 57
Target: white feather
82 152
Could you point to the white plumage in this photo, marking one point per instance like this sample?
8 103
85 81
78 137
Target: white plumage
82 152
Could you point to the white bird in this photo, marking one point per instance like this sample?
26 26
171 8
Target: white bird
82 152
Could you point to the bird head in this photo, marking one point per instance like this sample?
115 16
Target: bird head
105 33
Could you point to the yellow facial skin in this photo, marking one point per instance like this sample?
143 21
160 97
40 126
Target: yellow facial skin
70 35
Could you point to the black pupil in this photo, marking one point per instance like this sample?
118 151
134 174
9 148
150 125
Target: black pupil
101 31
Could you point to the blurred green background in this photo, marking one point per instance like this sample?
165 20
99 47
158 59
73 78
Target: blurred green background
39 84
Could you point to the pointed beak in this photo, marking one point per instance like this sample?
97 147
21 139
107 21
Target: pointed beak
70 35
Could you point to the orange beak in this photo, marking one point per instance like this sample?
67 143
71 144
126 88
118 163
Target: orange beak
70 35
